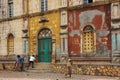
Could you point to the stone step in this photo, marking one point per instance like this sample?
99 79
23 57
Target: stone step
40 70
41 67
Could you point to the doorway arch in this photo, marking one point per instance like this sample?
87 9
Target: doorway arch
45 45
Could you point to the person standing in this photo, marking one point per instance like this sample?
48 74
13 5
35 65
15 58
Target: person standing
69 68
16 66
31 61
21 62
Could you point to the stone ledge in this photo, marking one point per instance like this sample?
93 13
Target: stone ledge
10 66
99 70
92 63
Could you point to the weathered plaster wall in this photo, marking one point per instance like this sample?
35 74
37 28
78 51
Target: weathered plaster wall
53 4
75 2
14 27
34 6
3 9
96 17
17 7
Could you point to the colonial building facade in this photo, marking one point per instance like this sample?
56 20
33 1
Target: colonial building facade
53 30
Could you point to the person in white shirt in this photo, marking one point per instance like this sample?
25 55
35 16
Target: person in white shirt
31 61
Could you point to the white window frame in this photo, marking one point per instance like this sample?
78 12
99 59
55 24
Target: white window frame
64 18
44 5
115 43
10 5
26 46
0 4
64 44
63 3
87 1
115 10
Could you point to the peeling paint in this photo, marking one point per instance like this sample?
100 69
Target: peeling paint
73 32
102 51
88 16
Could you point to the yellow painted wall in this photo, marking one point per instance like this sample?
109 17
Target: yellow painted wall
35 26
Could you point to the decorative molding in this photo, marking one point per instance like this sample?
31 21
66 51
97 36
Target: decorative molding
29 15
64 26
43 19
25 30
115 20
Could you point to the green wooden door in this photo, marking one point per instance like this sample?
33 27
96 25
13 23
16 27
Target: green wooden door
45 50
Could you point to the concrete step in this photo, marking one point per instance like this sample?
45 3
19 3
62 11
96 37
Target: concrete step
41 67
40 71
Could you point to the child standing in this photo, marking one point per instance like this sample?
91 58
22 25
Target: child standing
16 65
69 68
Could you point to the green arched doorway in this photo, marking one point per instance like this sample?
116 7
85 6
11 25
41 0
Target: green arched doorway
45 45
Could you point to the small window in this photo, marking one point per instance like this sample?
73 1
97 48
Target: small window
115 11
63 18
90 1
25 46
44 5
0 4
63 3
87 1
10 5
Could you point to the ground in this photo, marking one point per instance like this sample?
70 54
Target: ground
14 75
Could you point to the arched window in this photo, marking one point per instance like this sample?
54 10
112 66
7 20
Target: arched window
10 44
88 39
45 33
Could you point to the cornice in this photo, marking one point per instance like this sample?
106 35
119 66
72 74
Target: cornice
12 18
29 15
43 13
113 1
116 20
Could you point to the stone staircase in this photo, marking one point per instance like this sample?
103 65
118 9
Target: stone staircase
41 67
